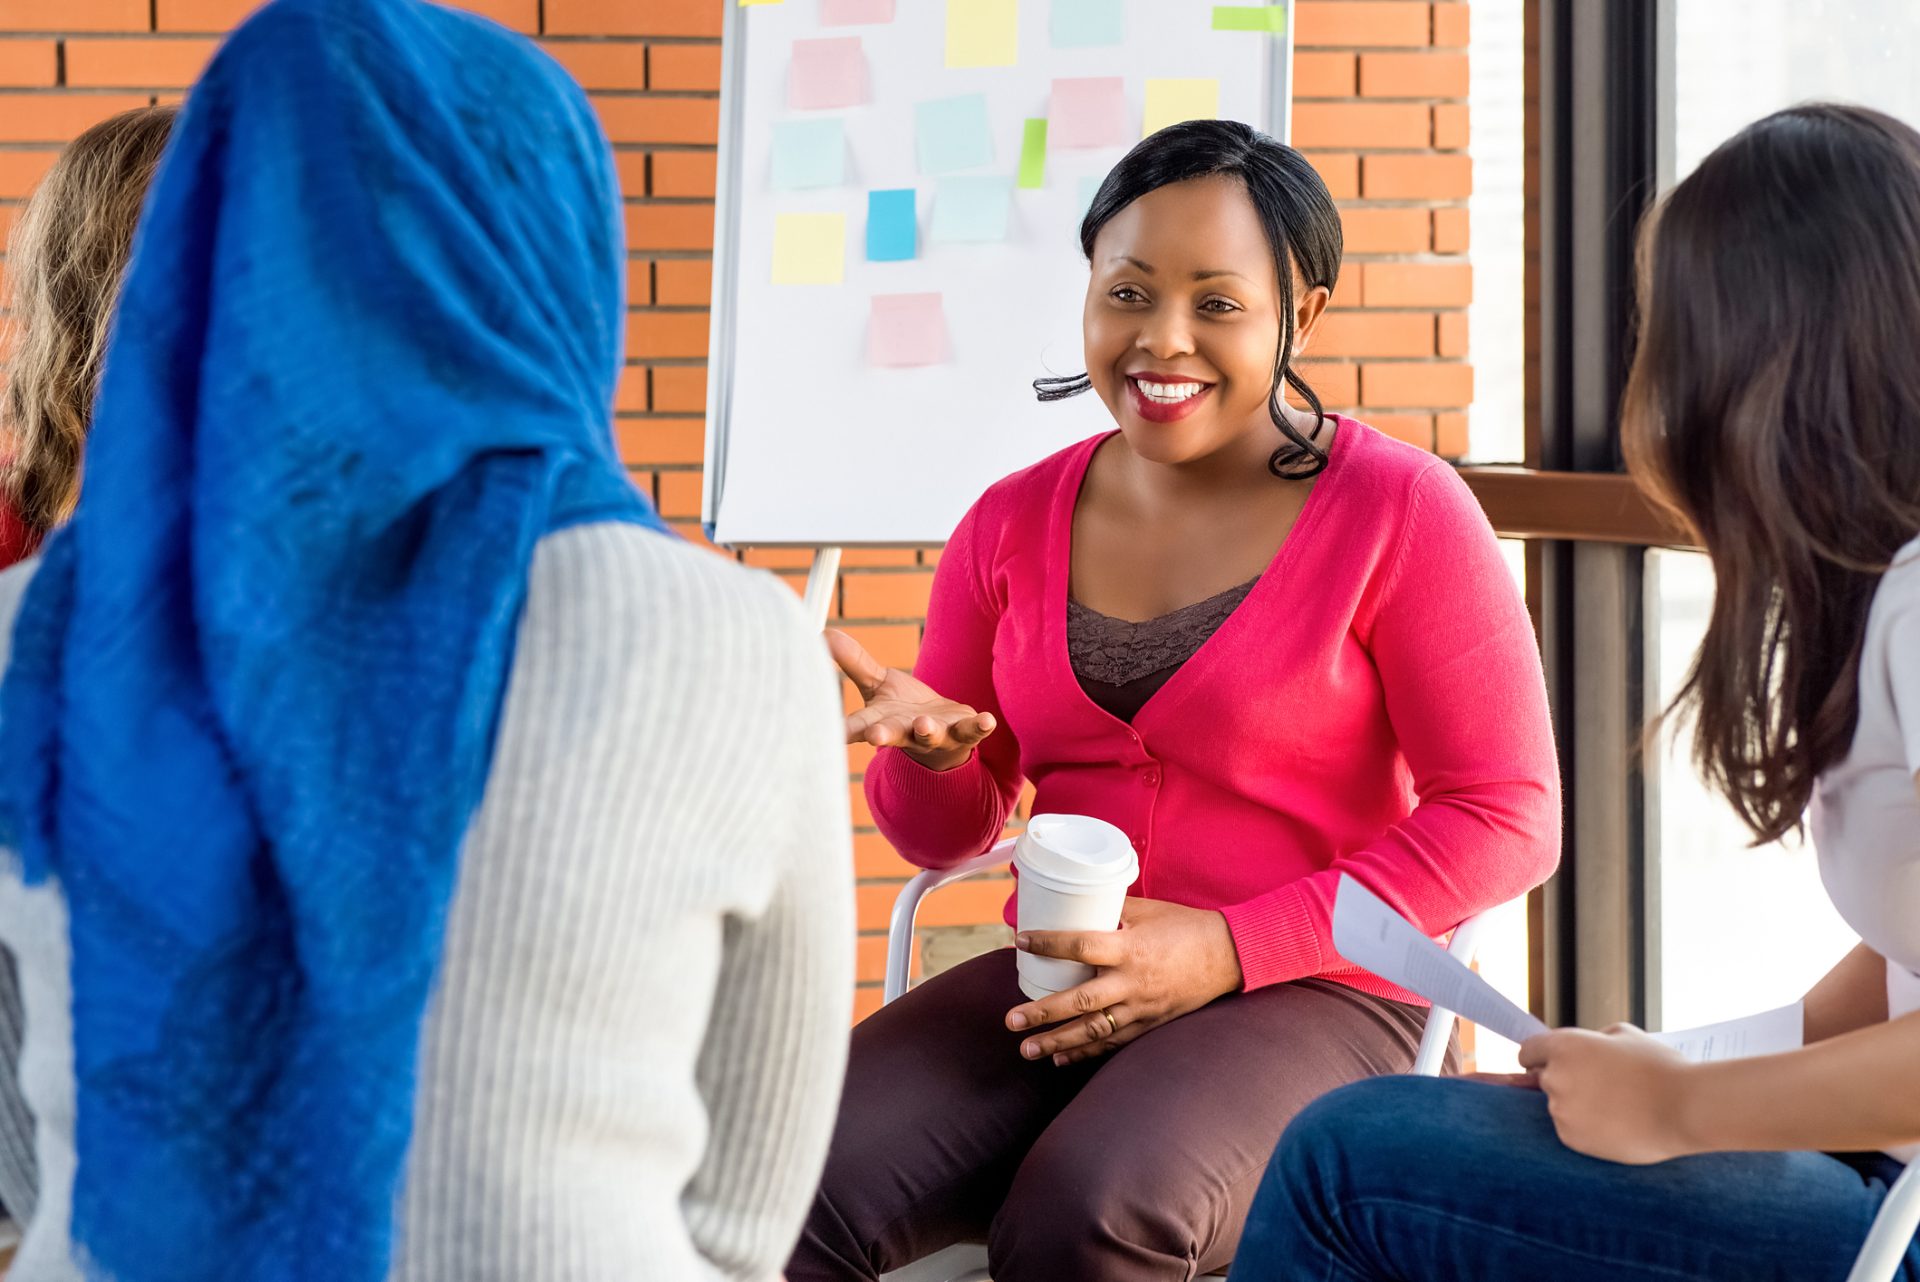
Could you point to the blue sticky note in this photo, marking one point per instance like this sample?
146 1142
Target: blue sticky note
892 234
953 134
972 209
1084 24
808 153
1089 188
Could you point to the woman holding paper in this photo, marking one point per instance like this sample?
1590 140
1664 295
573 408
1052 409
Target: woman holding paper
1271 646
1775 405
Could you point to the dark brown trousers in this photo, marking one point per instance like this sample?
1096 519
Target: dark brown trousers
1137 1166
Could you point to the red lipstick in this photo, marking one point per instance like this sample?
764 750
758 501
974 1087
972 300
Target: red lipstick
1165 398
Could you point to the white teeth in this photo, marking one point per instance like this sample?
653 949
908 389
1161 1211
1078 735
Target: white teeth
1168 393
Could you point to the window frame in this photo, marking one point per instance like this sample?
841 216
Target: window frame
1593 134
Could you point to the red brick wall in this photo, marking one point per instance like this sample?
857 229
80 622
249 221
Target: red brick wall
1380 106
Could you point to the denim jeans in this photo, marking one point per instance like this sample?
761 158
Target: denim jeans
1410 1179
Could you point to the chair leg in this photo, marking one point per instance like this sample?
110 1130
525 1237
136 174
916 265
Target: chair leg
966 1262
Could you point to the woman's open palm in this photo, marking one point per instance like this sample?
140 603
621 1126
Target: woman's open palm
901 711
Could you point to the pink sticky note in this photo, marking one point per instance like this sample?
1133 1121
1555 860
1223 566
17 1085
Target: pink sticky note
1089 112
827 73
906 329
850 13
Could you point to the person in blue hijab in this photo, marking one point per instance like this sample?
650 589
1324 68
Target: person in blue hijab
364 364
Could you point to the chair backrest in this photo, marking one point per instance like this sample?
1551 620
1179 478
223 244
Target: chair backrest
1892 1233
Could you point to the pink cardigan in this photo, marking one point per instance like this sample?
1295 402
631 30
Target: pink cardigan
1375 706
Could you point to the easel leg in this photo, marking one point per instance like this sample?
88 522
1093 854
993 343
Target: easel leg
820 581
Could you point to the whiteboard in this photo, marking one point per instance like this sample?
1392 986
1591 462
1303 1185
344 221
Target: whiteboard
807 442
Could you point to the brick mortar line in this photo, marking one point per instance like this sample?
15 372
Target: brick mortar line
683 95
689 42
1429 47
142 37
1401 309
1327 150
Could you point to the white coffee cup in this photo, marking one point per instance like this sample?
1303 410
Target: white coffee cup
1074 873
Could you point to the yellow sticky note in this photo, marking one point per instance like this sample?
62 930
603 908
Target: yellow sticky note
748 4
983 33
1171 101
809 249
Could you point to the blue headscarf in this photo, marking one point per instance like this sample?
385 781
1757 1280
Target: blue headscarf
364 361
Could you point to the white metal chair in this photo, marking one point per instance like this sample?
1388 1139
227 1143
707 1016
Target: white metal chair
967 1262
1892 1232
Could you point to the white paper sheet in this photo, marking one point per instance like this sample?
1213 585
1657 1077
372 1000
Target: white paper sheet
1369 933
1767 1033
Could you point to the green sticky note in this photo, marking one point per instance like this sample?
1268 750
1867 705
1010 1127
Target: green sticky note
809 249
1171 101
1268 18
983 33
1033 154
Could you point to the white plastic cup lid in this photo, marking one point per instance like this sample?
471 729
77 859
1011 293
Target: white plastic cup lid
1077 850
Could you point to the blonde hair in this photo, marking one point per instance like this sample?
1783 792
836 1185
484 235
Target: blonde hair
65 263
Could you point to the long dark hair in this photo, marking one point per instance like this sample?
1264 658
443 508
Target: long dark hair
1774 404
1302 225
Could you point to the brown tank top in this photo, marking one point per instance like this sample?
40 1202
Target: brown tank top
1121 664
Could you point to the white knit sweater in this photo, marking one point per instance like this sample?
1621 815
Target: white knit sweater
631 1063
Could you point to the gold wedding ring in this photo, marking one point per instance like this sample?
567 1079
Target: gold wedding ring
1113 1025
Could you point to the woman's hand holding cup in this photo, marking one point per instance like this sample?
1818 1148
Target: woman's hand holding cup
1165 961
903 712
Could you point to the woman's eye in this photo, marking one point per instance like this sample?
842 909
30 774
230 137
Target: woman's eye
1219 305
1127 294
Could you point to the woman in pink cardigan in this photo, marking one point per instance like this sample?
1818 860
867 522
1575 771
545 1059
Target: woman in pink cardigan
1272 646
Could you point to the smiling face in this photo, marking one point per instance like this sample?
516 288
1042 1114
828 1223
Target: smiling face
1184 315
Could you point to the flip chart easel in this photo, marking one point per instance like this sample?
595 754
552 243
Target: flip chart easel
865 382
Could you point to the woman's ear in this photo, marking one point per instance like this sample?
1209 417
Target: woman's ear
1309 306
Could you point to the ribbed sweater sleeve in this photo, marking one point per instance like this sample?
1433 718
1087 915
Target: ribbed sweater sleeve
938 818
776 1049
634 1055
1461 673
